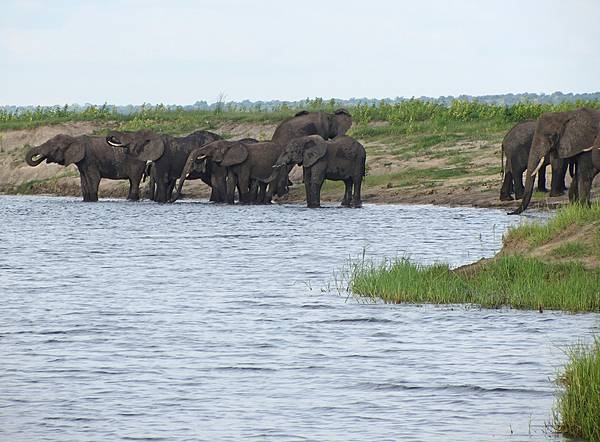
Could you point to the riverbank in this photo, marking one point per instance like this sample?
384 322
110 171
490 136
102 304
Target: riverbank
458 167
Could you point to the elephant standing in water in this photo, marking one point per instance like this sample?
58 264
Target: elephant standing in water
168 154
94 160
247 166
515 147
569 135
340 159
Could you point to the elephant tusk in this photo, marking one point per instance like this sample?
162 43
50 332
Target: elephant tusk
187 175
588 149
536 170
110 140
37 157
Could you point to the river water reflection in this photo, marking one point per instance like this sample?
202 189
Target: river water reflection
194 321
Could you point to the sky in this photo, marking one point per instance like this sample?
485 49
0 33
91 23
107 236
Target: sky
179 51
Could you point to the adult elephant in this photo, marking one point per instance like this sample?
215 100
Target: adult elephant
569 135
199 164
340 159
167 153
246 164
94 160
515 148
327 125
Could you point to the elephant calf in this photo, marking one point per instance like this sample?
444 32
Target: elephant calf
94 160
340 159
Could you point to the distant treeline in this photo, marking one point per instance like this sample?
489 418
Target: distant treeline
398 111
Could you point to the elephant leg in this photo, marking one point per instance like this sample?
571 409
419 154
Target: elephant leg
151 189
162 188
541 179
90 181
346 201
559 171
357 201
585 176
506 188
170 188
231 185
243 178
518 184
134 189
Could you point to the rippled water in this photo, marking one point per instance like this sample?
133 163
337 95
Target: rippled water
193 321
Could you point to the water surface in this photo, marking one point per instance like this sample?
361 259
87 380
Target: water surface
194 321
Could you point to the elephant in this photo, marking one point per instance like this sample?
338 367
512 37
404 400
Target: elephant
340 159
167 153
327 125
569 135
515 147
199 163
248 165
94 160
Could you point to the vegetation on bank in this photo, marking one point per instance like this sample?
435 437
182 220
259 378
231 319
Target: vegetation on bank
577 411
519 277
406 117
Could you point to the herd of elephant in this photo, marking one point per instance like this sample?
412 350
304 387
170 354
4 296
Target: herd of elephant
257 169
564 140
315 140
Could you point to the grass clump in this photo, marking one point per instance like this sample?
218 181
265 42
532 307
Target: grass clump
510 281
578 407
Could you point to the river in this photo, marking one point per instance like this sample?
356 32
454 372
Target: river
195 321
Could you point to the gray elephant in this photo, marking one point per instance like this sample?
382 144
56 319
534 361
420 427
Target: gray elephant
569 135
327 125
246 165
515 147
94 160
199 163
340 159
167 153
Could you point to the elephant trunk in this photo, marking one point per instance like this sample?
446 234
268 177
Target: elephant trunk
274 174
33 157
529 179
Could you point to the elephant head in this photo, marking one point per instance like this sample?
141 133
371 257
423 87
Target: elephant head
144 145
567 134
61 149
303 151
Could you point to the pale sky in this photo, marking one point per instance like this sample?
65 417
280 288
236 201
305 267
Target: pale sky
180 51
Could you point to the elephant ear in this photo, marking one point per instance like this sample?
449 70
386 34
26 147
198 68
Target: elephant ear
75 151
314 150
575 137
236 154
150 150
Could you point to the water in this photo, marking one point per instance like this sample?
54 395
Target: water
192 321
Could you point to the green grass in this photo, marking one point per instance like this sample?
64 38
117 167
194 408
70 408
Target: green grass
511 281
405 118
573 215
577 412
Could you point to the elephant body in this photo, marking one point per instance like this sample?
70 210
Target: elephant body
340 159
570 136
167 153
94 160
515 147
243 164
327 125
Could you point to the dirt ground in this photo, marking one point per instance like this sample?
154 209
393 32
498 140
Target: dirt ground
479 188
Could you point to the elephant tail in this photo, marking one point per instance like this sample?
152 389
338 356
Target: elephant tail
502 170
